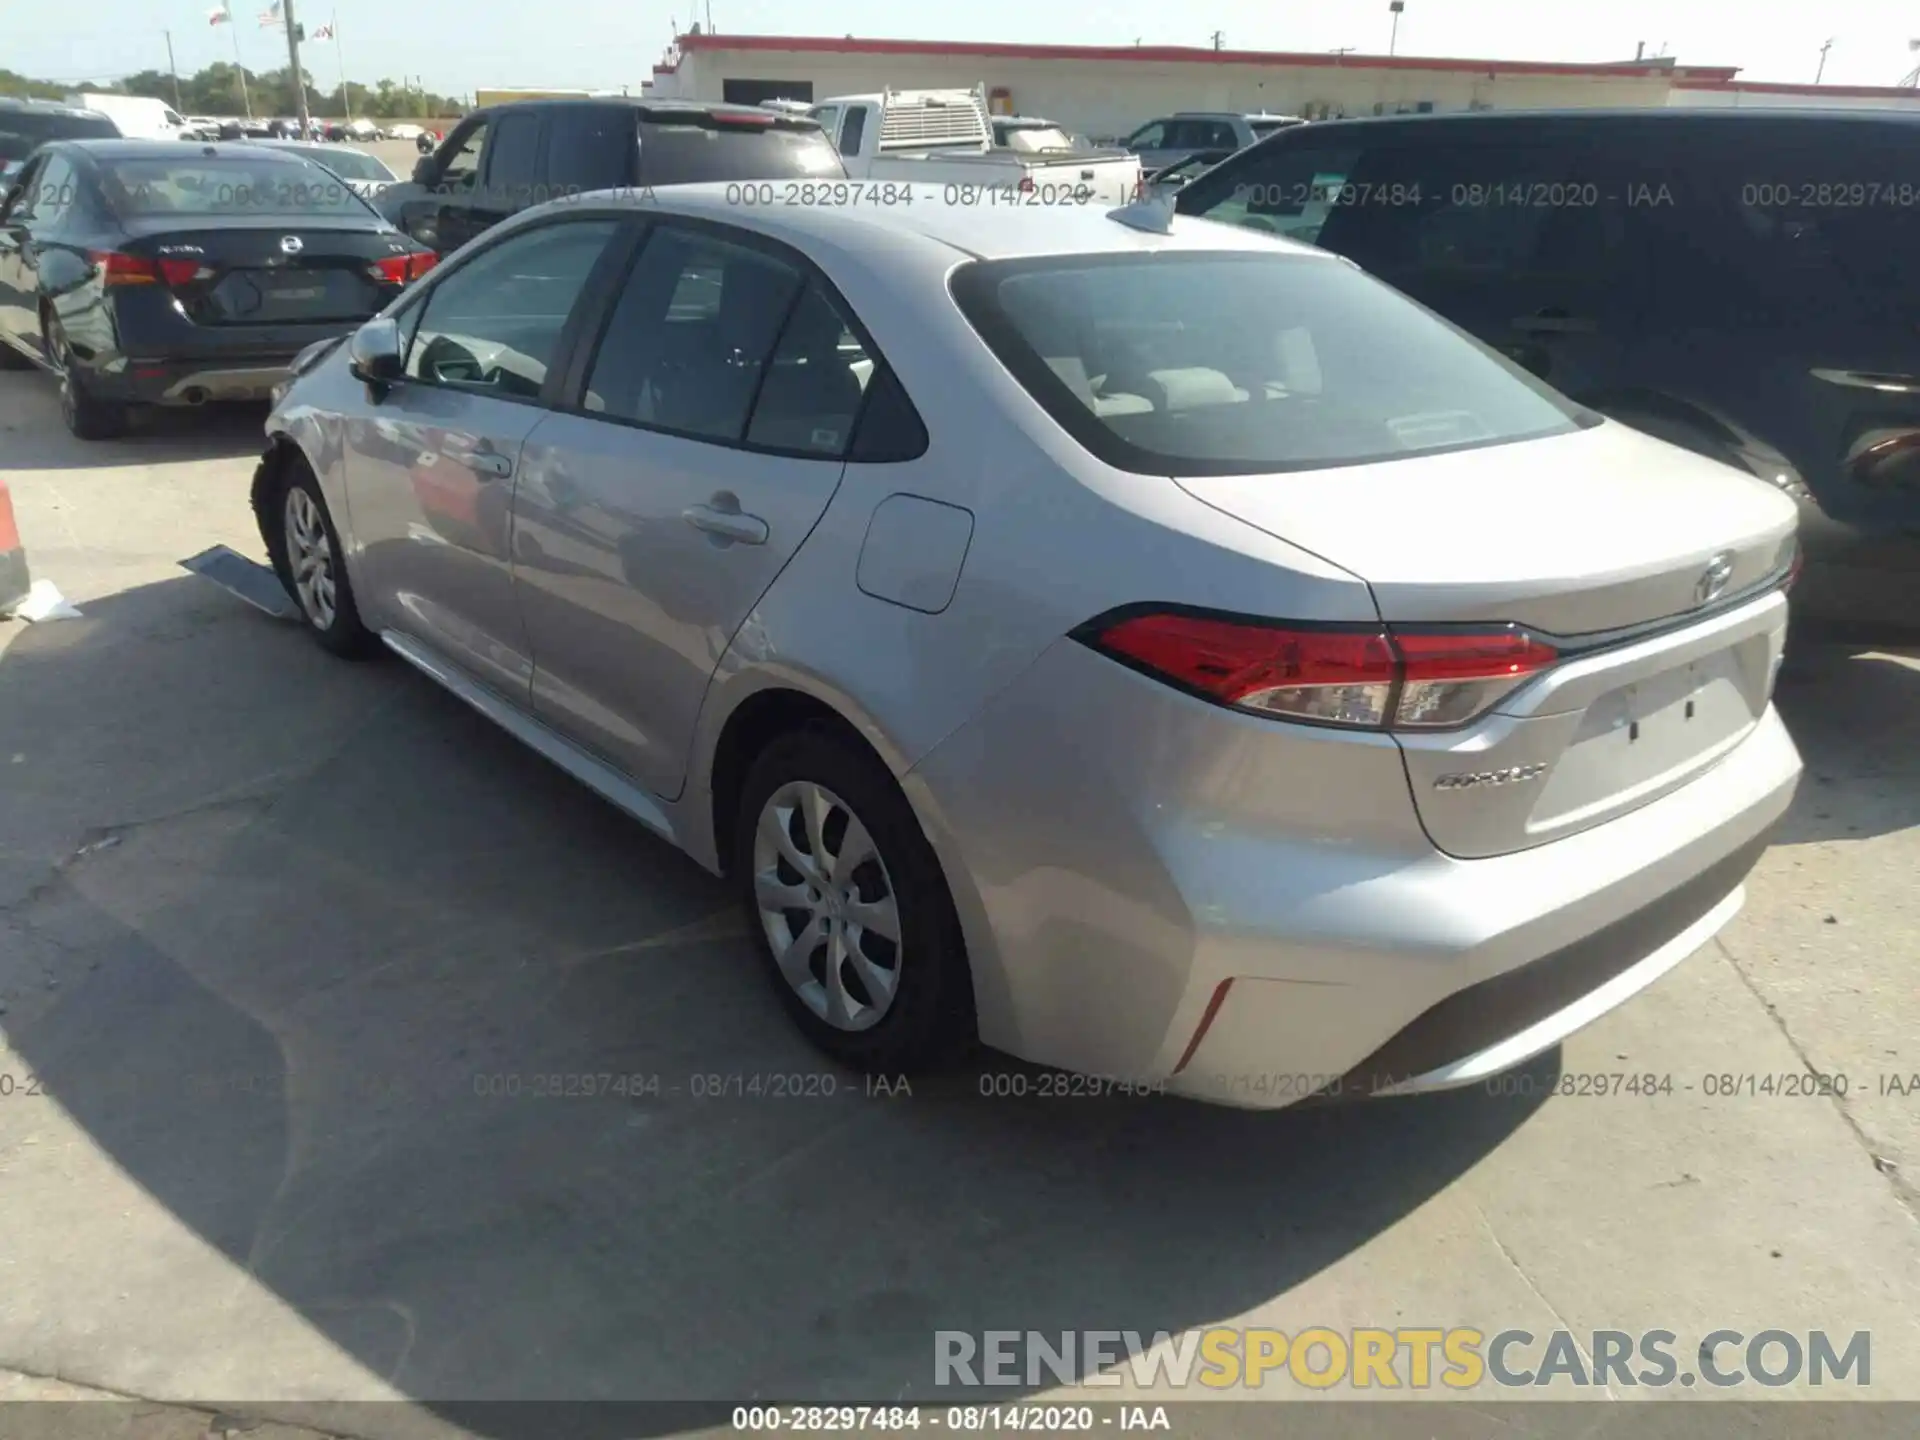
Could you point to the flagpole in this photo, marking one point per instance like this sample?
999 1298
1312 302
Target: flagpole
241 66
333 34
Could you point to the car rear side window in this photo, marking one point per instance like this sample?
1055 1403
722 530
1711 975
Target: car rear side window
690 338
494 324
514 157
589 147
1210 363
813 387
698 149
1280 189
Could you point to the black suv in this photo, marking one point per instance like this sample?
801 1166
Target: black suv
26 125
507 158
1742 283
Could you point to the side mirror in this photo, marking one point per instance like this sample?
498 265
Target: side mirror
373 354
423 169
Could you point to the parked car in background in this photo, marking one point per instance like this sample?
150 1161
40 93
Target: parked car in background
26 125
1741 284
138 117
787 107
1172 138
1146 812
946 137
366 175
202 127
401 130
153 273
504 159
1032 135
250 128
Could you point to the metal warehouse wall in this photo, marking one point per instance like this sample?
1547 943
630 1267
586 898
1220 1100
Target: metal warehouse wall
1114 97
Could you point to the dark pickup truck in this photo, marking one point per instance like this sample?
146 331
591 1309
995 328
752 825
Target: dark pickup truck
507 158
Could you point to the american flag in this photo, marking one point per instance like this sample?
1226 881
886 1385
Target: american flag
325 32
270 17
219 15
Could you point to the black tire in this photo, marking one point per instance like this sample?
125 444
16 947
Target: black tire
87 416
929 1023
341 631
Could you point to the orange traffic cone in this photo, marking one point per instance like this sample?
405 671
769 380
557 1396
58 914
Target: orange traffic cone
15 582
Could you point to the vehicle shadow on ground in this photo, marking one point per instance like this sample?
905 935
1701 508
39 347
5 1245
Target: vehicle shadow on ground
483 1082
39 441
1854 709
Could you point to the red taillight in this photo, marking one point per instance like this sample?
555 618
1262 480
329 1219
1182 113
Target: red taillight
402 269
118 269
1363 678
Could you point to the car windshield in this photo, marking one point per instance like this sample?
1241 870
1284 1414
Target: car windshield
24 131
227 185
1217 362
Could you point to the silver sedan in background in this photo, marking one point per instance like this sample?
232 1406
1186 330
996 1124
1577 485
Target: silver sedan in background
1148 647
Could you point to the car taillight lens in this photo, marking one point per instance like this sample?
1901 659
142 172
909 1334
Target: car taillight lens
1359 677
118 269
402 269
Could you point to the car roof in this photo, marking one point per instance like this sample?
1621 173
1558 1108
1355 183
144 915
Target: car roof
644 104
1455 122
44 107
877 219
162 149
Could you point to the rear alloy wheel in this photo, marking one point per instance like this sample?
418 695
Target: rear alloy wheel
310 566
87 416
849 902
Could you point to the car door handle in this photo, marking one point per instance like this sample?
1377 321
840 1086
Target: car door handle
729 524
1553 322
490 464
1871 380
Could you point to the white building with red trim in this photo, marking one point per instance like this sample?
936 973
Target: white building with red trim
1108 91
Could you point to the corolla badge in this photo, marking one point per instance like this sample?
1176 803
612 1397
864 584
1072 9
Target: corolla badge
1481 779
1713 580
291 244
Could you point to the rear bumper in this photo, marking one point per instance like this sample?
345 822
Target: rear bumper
1249 914
193 381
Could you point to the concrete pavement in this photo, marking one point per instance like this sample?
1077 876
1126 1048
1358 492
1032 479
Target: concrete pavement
286 944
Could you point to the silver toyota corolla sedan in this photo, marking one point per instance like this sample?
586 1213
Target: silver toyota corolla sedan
1150 648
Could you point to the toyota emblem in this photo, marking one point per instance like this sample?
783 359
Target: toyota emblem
1713 580
291 244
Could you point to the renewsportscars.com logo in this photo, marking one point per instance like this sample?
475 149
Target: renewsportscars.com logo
1404 1358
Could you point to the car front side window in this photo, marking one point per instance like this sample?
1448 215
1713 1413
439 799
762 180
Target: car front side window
494 325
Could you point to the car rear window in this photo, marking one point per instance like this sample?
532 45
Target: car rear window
24 131
268 187
697 150
1220 363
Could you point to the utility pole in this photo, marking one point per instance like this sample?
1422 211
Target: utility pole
1393 38
293 59
174 71
1219 38
1823 62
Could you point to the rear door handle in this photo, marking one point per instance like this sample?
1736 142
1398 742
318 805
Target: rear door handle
490 464
1554 322
728 524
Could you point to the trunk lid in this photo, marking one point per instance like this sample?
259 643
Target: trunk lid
1601 543
271 271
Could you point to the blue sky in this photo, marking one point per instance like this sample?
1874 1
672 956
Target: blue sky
458 45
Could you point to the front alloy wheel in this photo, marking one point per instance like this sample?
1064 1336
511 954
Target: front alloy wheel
828 906
310 559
